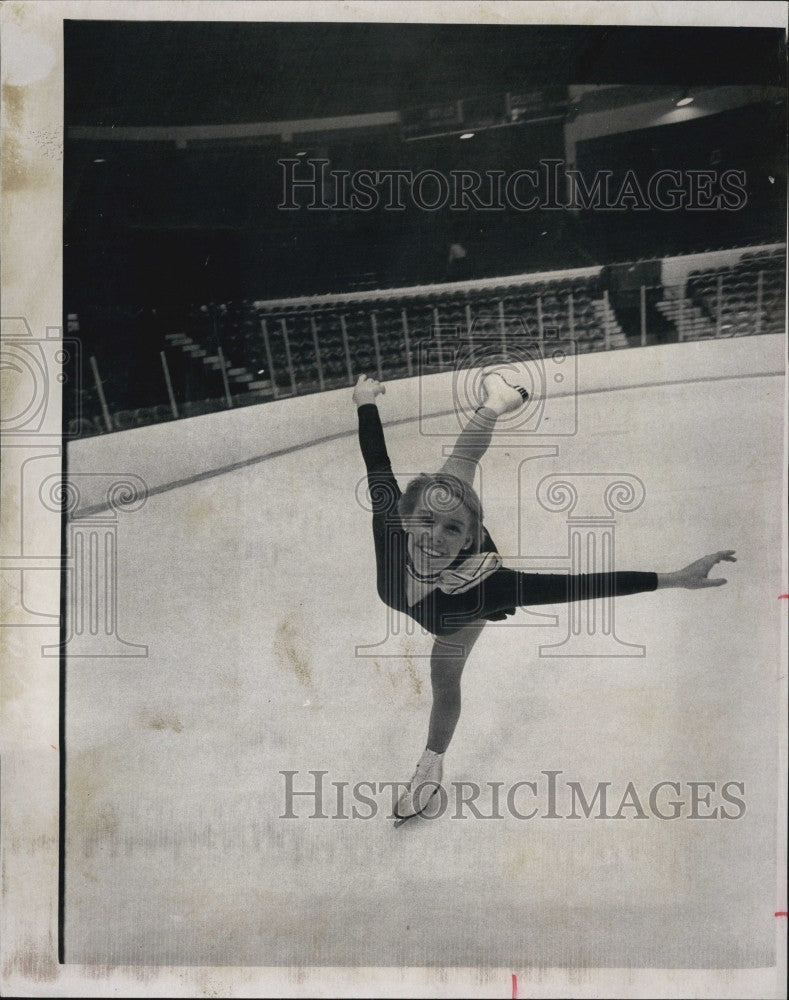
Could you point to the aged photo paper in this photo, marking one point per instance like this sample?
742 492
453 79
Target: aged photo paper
393 574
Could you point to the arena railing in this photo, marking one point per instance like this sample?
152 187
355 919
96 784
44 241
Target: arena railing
239 354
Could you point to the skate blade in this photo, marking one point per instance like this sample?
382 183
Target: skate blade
399 820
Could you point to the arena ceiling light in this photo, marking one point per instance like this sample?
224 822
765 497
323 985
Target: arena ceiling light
684 100
467 135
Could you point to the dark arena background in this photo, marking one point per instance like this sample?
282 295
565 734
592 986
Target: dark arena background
178 257
254 214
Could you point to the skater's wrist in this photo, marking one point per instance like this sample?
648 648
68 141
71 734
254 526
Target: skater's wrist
665 580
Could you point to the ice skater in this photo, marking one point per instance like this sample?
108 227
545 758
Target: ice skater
436 562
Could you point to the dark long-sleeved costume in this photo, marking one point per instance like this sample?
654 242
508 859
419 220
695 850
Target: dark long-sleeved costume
493 597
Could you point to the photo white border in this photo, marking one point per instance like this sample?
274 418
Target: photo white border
32 156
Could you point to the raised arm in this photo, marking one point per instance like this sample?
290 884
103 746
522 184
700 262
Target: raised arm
384 491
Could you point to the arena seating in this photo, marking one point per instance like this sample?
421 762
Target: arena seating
328 341
224 353
736 300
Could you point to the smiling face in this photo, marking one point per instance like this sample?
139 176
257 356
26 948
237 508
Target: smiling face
435 537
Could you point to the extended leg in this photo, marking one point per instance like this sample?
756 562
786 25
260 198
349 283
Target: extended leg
471 445
445 674
500 398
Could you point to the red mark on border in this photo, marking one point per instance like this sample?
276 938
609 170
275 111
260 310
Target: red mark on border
53 747
783 597
781 913
514 987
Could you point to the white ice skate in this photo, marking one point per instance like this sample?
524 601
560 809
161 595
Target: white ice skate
422 787
500 395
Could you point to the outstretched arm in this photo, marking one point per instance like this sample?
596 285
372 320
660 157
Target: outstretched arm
695 575
525 589
539 588
507 588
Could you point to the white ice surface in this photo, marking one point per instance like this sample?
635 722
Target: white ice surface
253 590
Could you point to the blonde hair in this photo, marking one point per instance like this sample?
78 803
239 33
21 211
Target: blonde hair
442 492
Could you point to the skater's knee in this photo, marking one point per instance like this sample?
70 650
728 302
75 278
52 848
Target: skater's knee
445 676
